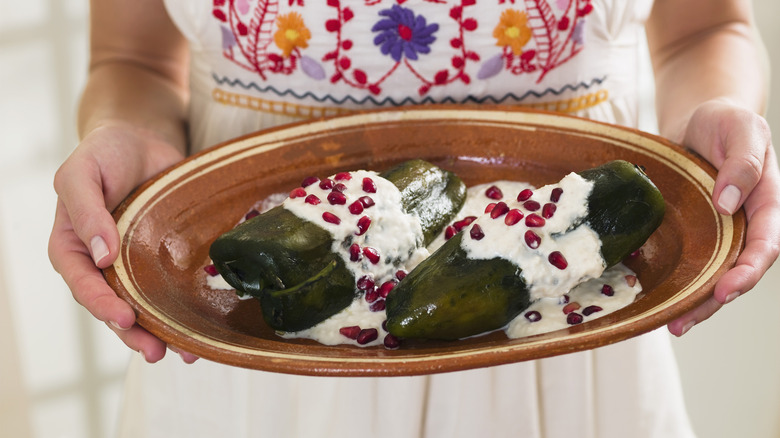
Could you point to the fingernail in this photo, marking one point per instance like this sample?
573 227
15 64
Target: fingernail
729 199
732 296
99 249
687 327
116 325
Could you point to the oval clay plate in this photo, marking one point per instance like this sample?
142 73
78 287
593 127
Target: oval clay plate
168 224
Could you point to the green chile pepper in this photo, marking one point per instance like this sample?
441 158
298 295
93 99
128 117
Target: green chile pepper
288 263
449 296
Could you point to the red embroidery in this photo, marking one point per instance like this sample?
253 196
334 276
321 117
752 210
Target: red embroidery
253 38
535 38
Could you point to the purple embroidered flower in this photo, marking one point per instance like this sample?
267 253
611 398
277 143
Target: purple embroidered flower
401 33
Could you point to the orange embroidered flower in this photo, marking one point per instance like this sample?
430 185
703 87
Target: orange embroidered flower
512 31
292 33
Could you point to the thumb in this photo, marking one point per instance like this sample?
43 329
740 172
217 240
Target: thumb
79 185
737 147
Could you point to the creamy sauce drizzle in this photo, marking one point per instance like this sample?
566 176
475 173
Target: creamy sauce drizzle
556 293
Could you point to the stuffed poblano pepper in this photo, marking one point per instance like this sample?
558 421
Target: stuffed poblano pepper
540 245
304 258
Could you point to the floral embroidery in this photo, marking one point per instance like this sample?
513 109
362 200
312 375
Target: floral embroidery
292 33
247 38
403 34
557 38
512 31
532 38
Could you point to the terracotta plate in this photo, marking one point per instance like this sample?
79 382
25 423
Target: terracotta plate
167 226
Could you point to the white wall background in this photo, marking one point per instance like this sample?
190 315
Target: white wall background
71 367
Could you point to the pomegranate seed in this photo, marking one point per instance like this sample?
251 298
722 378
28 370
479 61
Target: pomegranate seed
489 208
400 275
558 260
367 201
356 207
386 287
494 192
337 198
377 306
372 295
351 332
591 310
367 336
571 307
354 252
211 270
531 205
309 180
365 283
548 210
607 290
252 213
343 176
574 318
297 193
631 280
312 199
634 254
363 223
532 239
391 342
372 254
534 220
369 186
533 316
524 195
513 217
331 218
476 232
326 184
499 210
563 299
555 196
463 223
449 232
339 187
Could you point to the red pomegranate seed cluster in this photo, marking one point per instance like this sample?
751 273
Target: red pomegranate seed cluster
573 310
337 197
513 216
373 292
364 336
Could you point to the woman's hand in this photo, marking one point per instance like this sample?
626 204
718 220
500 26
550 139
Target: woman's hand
110 162
738 143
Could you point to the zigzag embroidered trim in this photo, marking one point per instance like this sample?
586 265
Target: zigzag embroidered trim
387 101
306 111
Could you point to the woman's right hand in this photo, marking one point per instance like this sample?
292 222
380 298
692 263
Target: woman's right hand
107 165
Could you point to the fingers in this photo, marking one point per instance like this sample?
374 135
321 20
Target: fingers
683 324
762 242
140 340
738 142
74 263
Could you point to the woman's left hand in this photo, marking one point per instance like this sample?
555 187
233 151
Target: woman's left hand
738 143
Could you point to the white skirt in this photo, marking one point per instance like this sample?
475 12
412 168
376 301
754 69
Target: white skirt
630 389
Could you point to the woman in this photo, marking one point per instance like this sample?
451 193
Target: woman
169 78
